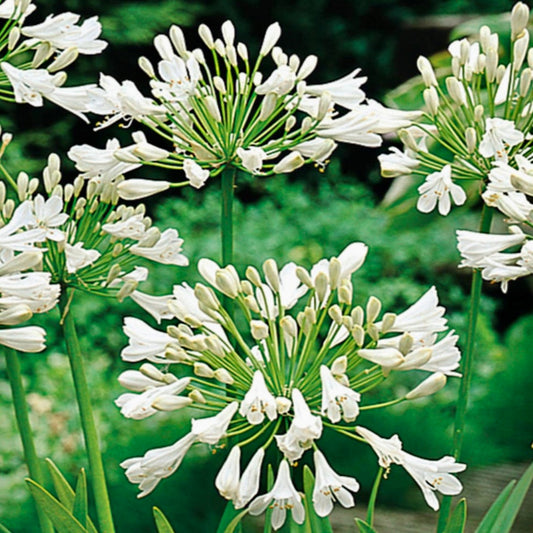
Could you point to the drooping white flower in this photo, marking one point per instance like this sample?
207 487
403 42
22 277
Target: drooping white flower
437 189
61 32
32 289
429 386
345 91
79 257
280 82
227 480
24 339
211 429
156 464
430 475
397 163
157 306
258 401
249 482
166 251
330 486
317 149
391 120
283 496
355 127
305 427
499 135
130 228
195 173
337 398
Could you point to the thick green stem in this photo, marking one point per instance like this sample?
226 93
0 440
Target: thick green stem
96 468
467 368
373 498
23 422
226 222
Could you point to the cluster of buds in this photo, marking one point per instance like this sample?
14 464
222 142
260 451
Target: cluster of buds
90 241
480 118
34 56
292 360
218 111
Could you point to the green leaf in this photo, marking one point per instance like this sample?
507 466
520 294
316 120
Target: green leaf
3 529
80 508
268 514
457 521
64 491
161 522
227 517
507 516
317 523
364 527
235 524
59 515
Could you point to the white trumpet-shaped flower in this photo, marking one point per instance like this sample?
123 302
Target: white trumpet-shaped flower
338 401
258 401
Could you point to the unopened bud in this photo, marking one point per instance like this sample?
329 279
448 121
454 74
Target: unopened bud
219 84
417 358
152 372
270 269
373 308
519 19
242 51
42 53
168 402
406 343
258 329
289 163
214 345
222 375
283 405
202 370
253 275
22 185
429 386
321 286
456 90
63 60
252 304
335 314
206 296
14 36
431 98
304 277
212 107
178 40
226 283
289 326
197 396
307 67
520 49
339 366
388 322
206 36
130 285
479 113
146 66
389 357
358 334
471 140
426 70
358 315
373 332
525 82
345 292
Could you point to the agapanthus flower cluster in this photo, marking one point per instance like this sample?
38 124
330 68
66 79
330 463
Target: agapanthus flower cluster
280 360
225 110
24 290
476 128
90 241
33 56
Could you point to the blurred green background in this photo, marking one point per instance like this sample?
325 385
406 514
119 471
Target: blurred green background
302 218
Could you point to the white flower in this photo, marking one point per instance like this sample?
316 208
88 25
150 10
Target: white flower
195 173
145 342
137 381
438 188
32 289
157 306
499 135
280 82
430 476
258 401
49 215
429 386
249 482
211 429
391 120
61 32
78 257
180 79
136 189
345 91
330 486
355 127
337 398
317 149
397 163
252 158
26 339
156 464
13 239
283 496
119 101
227 480
139 406
10 9
131 228
305 427
166 251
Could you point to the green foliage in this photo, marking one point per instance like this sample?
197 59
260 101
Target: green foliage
312 520
457 522
161 522
364 527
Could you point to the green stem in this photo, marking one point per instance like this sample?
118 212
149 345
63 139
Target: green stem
467 368
226 222
23 423
373 497
103 508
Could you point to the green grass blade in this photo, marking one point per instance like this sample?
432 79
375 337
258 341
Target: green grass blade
457 521
3 529
59 515
364 527
491 516
161 522
227 517
80 509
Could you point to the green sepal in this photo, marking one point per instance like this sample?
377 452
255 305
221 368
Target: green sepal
59 515
502 513
457 522
65 493
161 522
364 527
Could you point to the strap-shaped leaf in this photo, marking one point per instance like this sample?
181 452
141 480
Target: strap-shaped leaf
59 515
317 523
364 527
161 522
235 525
80 509
268 514
457 521
507 516
492 514
3 529
64 491
229 515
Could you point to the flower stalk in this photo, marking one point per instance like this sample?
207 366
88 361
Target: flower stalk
226 222
373 497
23 423
90 433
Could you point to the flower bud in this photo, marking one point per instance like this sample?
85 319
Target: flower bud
345 292
335 268
252 304
270 268
247 288
197 396
307 67
417 358
456 90
307 124
500 73
429 386
335 314
406 343
258 329
212 107
431 98
389 357
408 140
63 60
231 54
42 53
283 405
358 315
146 66
290 123
471 140
242 51
149 370
226 283
272 36
135 381
479 113
491 65
206 296
268 105
519 19
178 40
388 322
324 105
202 370
358 334
22 185
426 70
14 36
219 84
289 326
373 308
289 163
525 82
168 402
520 49
339 366
222 375
253 275
304 277
206 36
214 345
321 286
135 189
